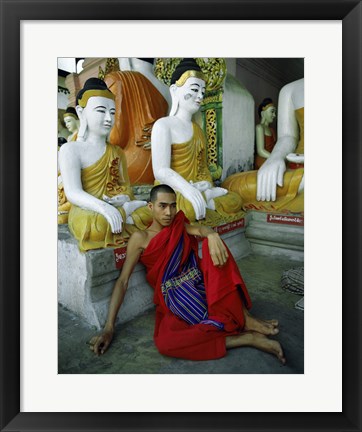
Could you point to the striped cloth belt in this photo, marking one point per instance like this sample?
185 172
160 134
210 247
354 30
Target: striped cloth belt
183 289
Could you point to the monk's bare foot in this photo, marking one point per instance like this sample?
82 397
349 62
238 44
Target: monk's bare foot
271 346
265 327
274 322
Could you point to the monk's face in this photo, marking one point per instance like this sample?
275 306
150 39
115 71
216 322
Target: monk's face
164 208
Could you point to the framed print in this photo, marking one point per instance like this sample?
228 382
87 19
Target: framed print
28 247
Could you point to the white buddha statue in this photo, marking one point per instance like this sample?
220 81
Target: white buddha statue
103 210
179 153
274 187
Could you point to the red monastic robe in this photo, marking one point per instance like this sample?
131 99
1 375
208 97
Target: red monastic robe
225 293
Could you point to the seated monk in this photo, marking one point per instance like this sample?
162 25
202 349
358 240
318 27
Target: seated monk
272 187
265 135
71 122
201 304
96 183
141 99
179 153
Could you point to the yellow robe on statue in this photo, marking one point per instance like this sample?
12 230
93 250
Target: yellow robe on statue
90 228
189 160
288 200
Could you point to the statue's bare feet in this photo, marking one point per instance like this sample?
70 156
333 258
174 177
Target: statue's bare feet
131 206
271 346
265 327
214 193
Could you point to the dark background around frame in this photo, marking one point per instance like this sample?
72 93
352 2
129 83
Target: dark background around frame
12 12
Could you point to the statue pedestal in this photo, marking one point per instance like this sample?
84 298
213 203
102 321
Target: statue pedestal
86 280
276 234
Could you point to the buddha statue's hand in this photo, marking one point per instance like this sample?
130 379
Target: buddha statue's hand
113 217
201 186
117 200
196 199
270 175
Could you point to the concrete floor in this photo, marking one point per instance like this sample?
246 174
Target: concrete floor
133 351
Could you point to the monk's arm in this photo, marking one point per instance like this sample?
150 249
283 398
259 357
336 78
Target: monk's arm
100 343
217 249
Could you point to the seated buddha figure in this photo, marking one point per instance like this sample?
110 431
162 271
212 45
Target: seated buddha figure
103 211
179 153
274 188
71 122
141 99
265 135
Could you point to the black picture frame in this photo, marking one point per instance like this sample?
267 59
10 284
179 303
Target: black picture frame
12 12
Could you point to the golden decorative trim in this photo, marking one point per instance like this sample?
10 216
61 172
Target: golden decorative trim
211 134
189 74
214 70
69 115
91 93
268 106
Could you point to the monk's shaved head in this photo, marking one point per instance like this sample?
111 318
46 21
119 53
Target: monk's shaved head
160 188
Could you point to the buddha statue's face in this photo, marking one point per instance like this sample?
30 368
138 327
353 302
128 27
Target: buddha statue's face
191 94
99 114
71 123
269 114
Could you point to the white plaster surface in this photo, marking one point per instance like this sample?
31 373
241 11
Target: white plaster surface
238 128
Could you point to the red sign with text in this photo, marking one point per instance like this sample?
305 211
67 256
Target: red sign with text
286 220
120 256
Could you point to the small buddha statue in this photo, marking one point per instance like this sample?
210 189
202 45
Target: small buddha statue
103 211
265 135
179 153
71 122
274 188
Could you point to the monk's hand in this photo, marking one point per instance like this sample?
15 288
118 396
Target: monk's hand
100 343
117 200
217 249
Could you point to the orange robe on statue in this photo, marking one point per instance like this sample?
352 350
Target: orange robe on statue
138 105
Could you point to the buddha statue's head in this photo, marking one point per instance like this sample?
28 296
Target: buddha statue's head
187 87
71 119
95 108
267 111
